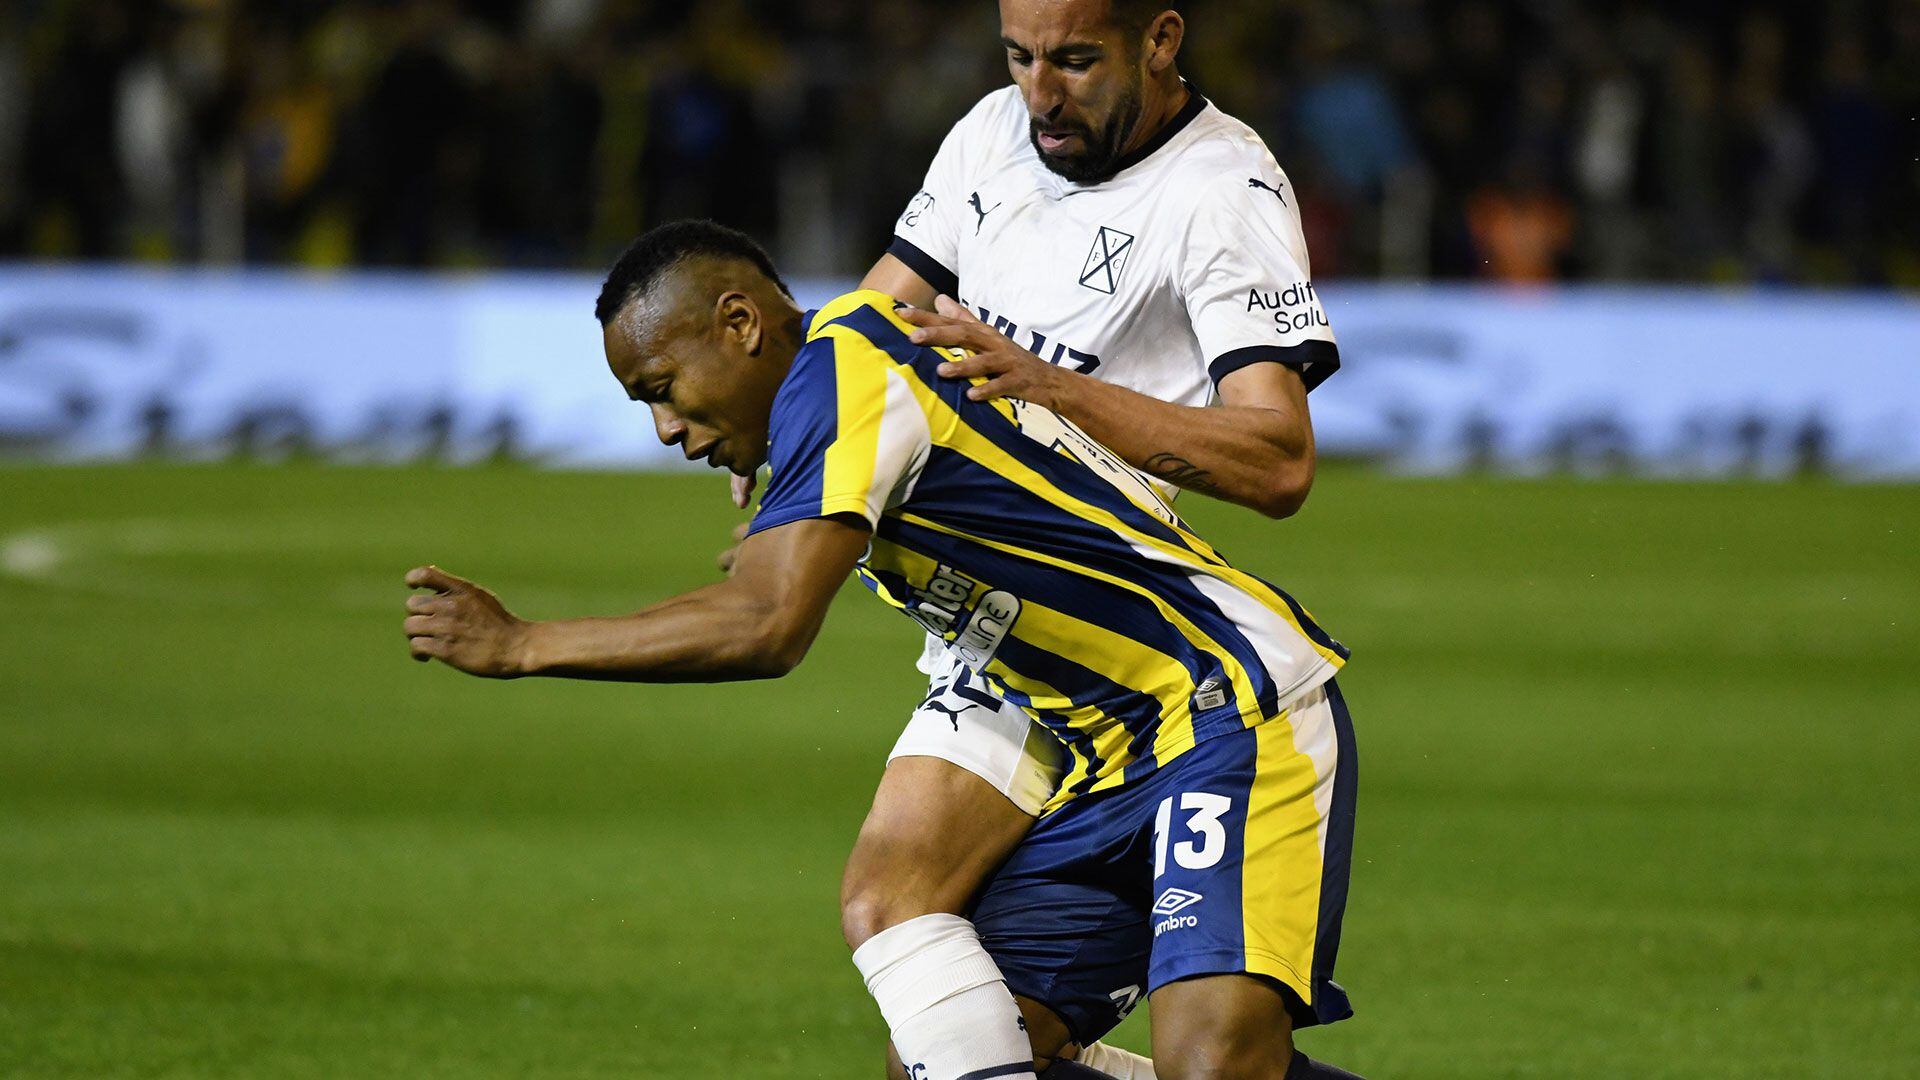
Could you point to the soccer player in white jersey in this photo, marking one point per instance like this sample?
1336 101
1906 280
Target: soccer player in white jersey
1128 255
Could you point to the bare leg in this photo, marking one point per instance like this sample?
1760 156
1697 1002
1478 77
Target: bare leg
935 833
1221 1027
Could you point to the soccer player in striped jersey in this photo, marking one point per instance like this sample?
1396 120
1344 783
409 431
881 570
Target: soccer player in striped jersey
1197 852
1128 254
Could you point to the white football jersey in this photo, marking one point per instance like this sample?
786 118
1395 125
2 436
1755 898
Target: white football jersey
1186 265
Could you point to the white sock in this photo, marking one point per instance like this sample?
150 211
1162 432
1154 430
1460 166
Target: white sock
1116 1062
942 996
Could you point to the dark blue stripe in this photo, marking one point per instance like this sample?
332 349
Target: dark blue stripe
962 494
804 422
929 268
1070 476
1097 602
1087 599
963 497
1314 360
867 321
1329 999
1314 633
1077 741
896 584
1087 688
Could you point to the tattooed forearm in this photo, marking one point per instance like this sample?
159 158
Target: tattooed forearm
1181 473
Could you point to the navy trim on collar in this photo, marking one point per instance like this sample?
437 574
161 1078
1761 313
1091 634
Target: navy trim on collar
1195 102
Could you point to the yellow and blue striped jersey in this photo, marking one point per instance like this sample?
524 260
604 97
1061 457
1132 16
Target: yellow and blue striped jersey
1044 562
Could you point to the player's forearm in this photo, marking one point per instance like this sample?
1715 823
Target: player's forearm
1256 457
898 280
713 634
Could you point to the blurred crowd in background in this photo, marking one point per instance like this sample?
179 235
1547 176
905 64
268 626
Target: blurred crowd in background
1516 141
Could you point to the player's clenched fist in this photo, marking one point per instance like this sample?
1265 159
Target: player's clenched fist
463 625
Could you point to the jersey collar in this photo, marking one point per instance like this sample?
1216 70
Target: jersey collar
1195 103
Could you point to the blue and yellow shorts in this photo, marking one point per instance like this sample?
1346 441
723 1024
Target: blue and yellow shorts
1232 859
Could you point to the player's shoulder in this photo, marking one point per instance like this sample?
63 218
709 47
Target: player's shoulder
995 124
1218 153
865 314
847 335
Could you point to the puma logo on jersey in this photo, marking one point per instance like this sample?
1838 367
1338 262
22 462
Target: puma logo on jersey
975 200
1254 182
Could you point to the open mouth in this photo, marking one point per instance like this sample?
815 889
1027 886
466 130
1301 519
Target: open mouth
1054 141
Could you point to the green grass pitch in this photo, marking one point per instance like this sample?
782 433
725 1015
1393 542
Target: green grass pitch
1640 783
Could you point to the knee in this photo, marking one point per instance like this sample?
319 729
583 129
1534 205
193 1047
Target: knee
888 883
1220 1055
868 907
1215 1064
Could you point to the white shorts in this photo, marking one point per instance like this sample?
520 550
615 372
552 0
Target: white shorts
964 722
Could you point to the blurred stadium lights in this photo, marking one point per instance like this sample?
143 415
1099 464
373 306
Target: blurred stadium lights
1465 140
1449 139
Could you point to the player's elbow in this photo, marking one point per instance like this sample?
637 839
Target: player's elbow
1284 489
778 649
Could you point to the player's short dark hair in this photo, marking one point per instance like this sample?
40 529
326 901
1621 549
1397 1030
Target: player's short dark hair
1134 16
662 247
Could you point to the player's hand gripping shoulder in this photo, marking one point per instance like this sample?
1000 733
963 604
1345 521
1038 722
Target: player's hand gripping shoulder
463 625
1254 448
1009 370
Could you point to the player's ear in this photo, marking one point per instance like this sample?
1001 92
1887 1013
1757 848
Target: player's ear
1164 36
740 320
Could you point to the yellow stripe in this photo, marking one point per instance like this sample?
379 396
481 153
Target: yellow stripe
1172 739
1281 867
846 303
950 430
860 387
1127 662
1120 658
965 440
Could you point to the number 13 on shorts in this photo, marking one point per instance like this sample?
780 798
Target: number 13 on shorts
1201 813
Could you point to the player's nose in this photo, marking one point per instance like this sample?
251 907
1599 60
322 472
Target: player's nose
1045 93
670 428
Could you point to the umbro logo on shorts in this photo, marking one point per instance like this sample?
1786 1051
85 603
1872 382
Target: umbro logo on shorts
1175 900
1168 907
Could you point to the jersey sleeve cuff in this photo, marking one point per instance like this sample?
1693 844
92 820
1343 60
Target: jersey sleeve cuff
930 269
1314 360
841 504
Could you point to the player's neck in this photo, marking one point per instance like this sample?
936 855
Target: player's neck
790 331
1166 96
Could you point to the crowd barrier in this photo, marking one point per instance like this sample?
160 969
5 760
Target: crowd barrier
110 363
